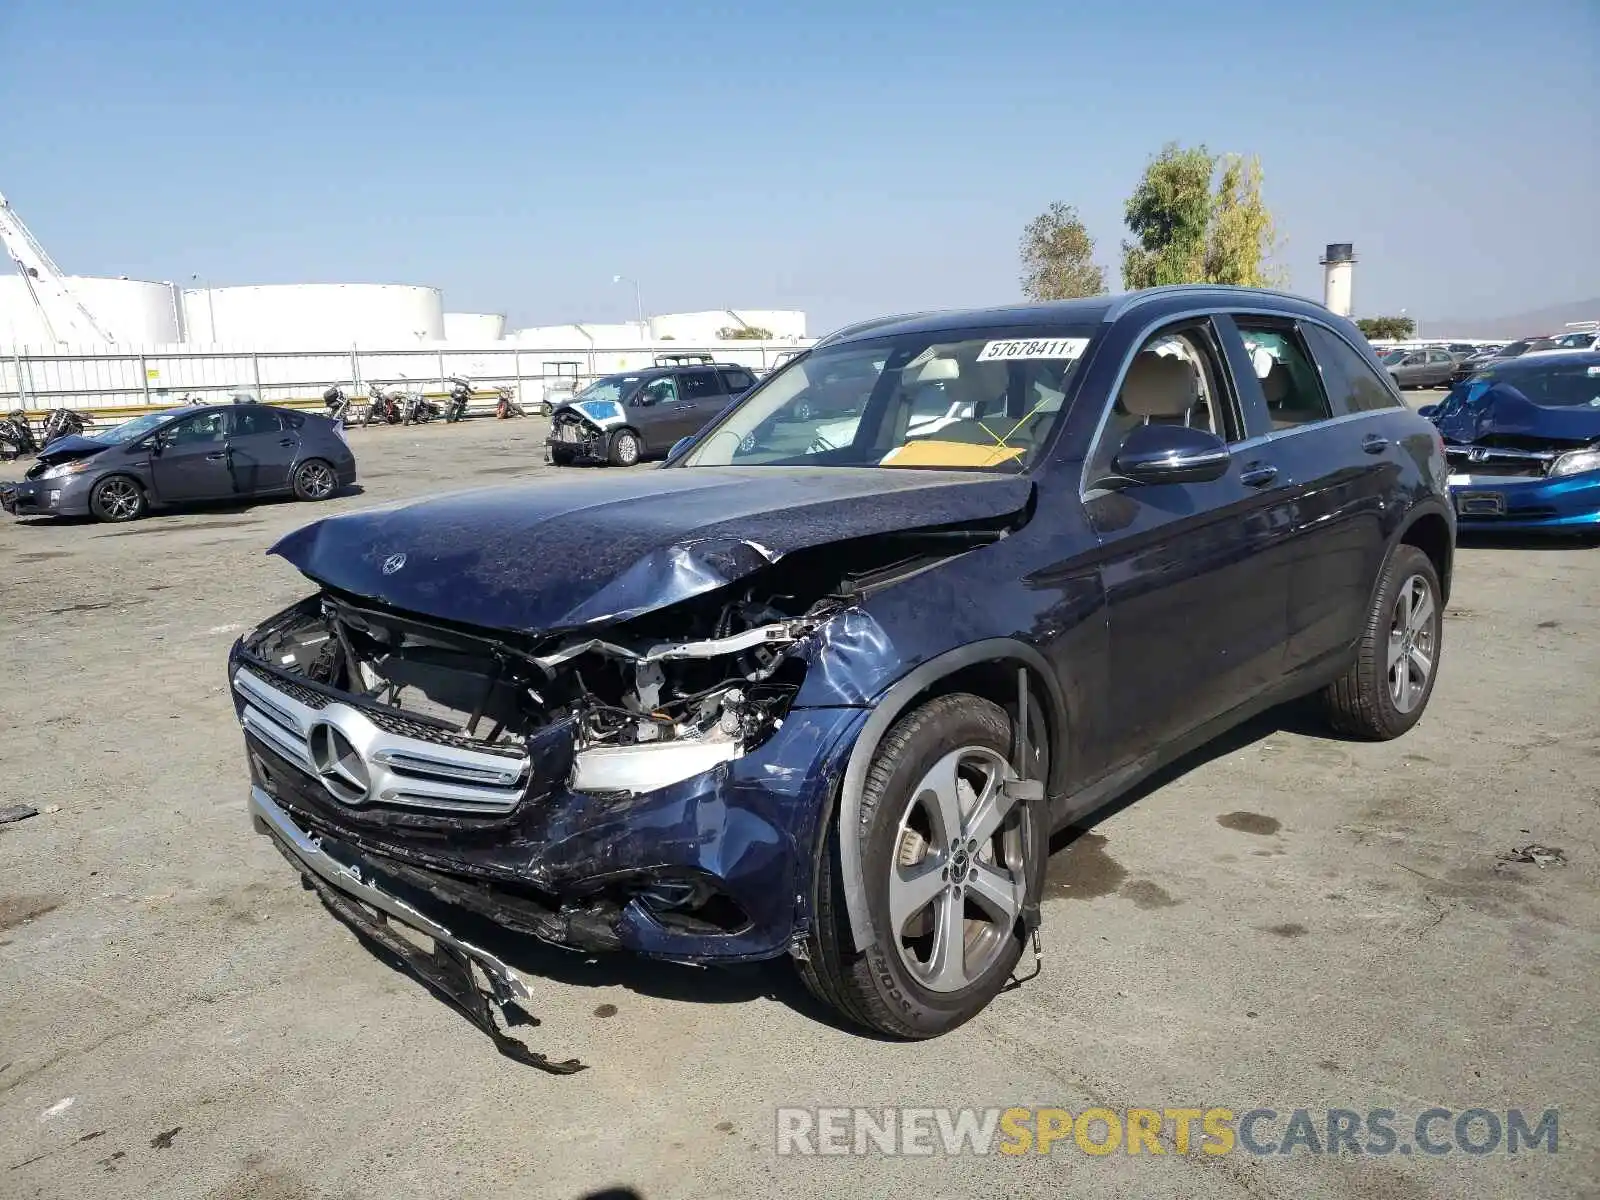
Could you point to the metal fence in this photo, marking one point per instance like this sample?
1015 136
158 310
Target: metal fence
89 380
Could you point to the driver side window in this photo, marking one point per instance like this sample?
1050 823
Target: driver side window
1176 378
657 392
200 428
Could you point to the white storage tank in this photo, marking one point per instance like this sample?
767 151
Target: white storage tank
785 325
314 315
133 311
475 328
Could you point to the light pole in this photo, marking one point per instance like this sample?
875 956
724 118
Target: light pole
211 309
638 304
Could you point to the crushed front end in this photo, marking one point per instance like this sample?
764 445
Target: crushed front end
581 430
640 790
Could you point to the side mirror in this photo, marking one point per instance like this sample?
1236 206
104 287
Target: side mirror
1427 410
678 445
1172 454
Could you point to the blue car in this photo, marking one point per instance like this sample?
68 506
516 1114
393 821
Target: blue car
824 684
1523 442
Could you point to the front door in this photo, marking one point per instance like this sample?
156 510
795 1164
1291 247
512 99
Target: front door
653 412
189 458
261 449
1195 574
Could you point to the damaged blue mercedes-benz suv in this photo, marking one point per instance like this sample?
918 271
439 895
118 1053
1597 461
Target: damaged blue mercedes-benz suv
825 683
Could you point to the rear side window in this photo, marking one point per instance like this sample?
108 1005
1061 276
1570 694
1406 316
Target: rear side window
1346 375
1289 382
698 385
252 419
738 381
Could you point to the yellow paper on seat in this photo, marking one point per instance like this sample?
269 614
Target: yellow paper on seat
928 452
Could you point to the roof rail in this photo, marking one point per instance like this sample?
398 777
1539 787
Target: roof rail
1131 300
866 327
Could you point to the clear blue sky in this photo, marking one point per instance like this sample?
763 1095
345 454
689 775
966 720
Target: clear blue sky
845 158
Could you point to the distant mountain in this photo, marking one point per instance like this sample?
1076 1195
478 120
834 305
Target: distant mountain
1541 320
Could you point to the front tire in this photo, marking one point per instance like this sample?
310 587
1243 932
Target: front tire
625 448
314 480
116 499
951 865
1388 686
562 458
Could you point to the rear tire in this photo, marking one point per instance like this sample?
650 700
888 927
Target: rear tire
625 448
117 498
1387 687
903 985
314 480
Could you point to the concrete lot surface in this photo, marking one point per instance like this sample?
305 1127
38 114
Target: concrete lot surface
1288 921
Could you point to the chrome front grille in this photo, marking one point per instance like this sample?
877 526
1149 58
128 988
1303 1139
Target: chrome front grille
360 762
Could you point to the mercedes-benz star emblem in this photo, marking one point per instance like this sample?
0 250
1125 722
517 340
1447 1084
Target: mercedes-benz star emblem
393 563
340 767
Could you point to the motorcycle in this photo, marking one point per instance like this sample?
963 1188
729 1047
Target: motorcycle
16 436
418 409
336 403
63 422
385 407
507 405
461 390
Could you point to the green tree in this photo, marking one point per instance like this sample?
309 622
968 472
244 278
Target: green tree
1387 328
1242 235
1058 257
744 333
1198 217
1168 215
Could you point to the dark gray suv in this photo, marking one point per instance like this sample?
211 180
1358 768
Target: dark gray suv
637 414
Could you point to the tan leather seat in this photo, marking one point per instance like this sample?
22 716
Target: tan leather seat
1160 389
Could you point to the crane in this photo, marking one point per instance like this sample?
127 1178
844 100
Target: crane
63 314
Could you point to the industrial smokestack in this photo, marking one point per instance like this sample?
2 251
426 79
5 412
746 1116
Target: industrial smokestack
1338 271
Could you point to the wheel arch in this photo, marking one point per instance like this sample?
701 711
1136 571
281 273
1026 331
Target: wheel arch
1427 527
989 669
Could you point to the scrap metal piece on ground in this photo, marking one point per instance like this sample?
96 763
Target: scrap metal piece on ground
10 813
1539 856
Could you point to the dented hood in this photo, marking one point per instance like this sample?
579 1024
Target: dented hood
592 547
1484 411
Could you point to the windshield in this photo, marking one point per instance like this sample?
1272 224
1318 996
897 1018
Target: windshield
136 428
612 387
951 400
1511 351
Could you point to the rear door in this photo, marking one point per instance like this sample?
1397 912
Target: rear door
1195 574
704 396
1318 405
189 458
1441 364
262 447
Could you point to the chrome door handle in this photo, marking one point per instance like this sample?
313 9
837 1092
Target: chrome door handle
1374 443
1258 474
285 441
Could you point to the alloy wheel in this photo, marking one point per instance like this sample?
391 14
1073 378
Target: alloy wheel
316 480
1413 643
959 876
120 499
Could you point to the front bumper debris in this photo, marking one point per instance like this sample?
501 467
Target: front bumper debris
450 968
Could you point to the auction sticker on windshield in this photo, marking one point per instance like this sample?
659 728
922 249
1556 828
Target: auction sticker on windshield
1020 348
